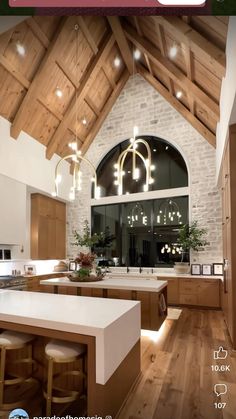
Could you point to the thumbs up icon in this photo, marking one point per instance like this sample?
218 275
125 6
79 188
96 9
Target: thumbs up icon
221 353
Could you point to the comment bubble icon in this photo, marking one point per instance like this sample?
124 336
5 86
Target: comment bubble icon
220 389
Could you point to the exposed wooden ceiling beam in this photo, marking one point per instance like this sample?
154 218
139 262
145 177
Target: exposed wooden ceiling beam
105 111
173 71
163 47
15 73
198 125
92 105
121 41
37 31
139 30
88 36
79 96
189 68
64 68
24 111
41 99
109 77
184 33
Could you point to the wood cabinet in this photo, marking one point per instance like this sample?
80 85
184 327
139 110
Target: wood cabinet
33 282
151 315
200 292
48 228
173 291
228 185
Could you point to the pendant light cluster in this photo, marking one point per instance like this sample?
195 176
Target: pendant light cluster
171 249
137 215
169 213
145 159
76 156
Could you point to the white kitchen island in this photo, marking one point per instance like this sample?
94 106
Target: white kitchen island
152 294
109 328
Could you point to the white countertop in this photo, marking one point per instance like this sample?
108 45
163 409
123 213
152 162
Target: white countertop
111 283
114 323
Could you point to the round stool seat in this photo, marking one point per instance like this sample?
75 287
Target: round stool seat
11 338
59 349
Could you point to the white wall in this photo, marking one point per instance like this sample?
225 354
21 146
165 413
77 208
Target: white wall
139 104
12 211
24 160
7 22
228 94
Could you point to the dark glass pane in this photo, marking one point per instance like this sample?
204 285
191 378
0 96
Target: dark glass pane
169 215
142 237
106 219
170 168
136 234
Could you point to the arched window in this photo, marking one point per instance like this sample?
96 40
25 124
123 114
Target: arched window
170 168
145 230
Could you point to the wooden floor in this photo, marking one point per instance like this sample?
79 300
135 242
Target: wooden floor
177 381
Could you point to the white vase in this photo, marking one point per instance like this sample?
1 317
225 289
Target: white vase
182 267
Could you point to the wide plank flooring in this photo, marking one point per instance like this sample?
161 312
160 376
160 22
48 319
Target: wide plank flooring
177 381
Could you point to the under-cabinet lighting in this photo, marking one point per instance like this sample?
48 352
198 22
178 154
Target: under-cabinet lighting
152 335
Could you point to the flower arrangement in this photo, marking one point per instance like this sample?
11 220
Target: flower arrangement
87 270
85 260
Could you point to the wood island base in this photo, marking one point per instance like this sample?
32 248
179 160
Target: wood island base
102 400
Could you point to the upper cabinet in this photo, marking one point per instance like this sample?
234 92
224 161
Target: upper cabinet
12 212
48 228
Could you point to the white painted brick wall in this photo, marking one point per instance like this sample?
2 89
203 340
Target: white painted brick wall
140 104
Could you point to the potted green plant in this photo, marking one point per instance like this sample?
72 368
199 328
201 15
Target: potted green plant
87 270
104 241
190 237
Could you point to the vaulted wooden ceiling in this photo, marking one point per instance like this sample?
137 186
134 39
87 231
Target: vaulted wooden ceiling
82 66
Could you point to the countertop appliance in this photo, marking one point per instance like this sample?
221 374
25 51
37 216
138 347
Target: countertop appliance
13 282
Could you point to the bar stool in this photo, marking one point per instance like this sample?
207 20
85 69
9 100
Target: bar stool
62 353
12 341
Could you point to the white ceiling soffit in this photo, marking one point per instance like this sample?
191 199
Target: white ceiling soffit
7 22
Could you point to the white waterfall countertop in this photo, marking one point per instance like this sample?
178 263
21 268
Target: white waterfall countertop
111 283
115 324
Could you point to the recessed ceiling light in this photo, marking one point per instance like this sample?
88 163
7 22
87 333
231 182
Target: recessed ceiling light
84 121
179 94
58 92
154 150
117 62
137 54
173 51
20 49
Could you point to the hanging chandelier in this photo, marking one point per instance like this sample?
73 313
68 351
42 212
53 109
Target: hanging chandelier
146 160
171 249
137 215
76 158
169 213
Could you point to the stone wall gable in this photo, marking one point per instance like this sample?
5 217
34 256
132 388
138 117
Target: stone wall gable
140 104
